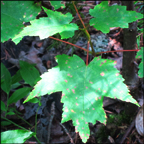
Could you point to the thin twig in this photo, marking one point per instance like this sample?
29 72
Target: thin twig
13 52
51 118
111 140
23 120
12 67
127 132
14 123
7 54
108 111
118 51
67 133
76 137
138 139
2 58
139 34
34 125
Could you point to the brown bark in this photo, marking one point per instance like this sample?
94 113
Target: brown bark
129 69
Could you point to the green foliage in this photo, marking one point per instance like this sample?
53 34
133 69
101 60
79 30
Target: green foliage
13 14
29 73
57 4
141 66
56 22
34 100
15 136
6 77
17 77
83 89
112 16
19 94
3 107
10 113
5 123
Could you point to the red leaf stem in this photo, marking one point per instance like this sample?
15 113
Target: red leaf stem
79 15
68 43
87 50
118 51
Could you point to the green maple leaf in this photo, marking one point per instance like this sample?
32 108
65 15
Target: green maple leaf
141 65
83 89
56 22
13 14
57 4
15 136
111 16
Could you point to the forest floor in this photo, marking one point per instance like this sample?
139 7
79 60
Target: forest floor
120 127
